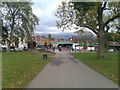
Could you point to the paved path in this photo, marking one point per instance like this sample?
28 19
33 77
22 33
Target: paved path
66 72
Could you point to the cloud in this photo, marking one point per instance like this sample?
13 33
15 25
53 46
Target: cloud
47 29
46 10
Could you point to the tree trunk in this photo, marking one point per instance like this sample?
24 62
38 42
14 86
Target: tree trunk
101 44
10 41
11 32
101 36
16 42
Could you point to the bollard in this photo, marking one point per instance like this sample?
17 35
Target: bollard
44 56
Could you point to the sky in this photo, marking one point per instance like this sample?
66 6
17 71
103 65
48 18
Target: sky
45 11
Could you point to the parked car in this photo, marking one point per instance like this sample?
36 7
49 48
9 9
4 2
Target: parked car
39 47
111 50
18 49
3 47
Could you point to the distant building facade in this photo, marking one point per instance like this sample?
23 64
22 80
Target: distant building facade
40 40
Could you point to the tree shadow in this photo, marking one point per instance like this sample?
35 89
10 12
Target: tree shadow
57 61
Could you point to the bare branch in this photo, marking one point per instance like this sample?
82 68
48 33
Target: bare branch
87 26
107 28
111 19
104 5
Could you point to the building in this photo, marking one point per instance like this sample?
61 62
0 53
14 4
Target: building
114 45
40 40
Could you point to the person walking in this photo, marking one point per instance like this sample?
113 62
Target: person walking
53 48
60 48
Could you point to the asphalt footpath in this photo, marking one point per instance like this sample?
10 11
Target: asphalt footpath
66 72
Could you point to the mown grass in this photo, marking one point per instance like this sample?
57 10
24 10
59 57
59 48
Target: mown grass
107 66
19 68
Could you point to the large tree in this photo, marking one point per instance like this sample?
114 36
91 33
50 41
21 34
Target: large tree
19 20
49 36
96 16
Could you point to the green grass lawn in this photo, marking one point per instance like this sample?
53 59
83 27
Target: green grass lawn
19 68
107 66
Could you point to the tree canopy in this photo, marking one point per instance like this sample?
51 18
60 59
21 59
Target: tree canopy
49 36
19 19
99 17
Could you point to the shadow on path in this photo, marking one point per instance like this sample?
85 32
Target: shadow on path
57 61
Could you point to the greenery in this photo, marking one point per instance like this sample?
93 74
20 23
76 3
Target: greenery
19 68
107 66
91 15
49 36
19 21
113 36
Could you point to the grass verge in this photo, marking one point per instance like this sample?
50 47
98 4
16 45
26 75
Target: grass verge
107 66
19 68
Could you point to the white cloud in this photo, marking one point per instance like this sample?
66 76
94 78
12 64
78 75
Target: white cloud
53 28
45 10
45 7
37 11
